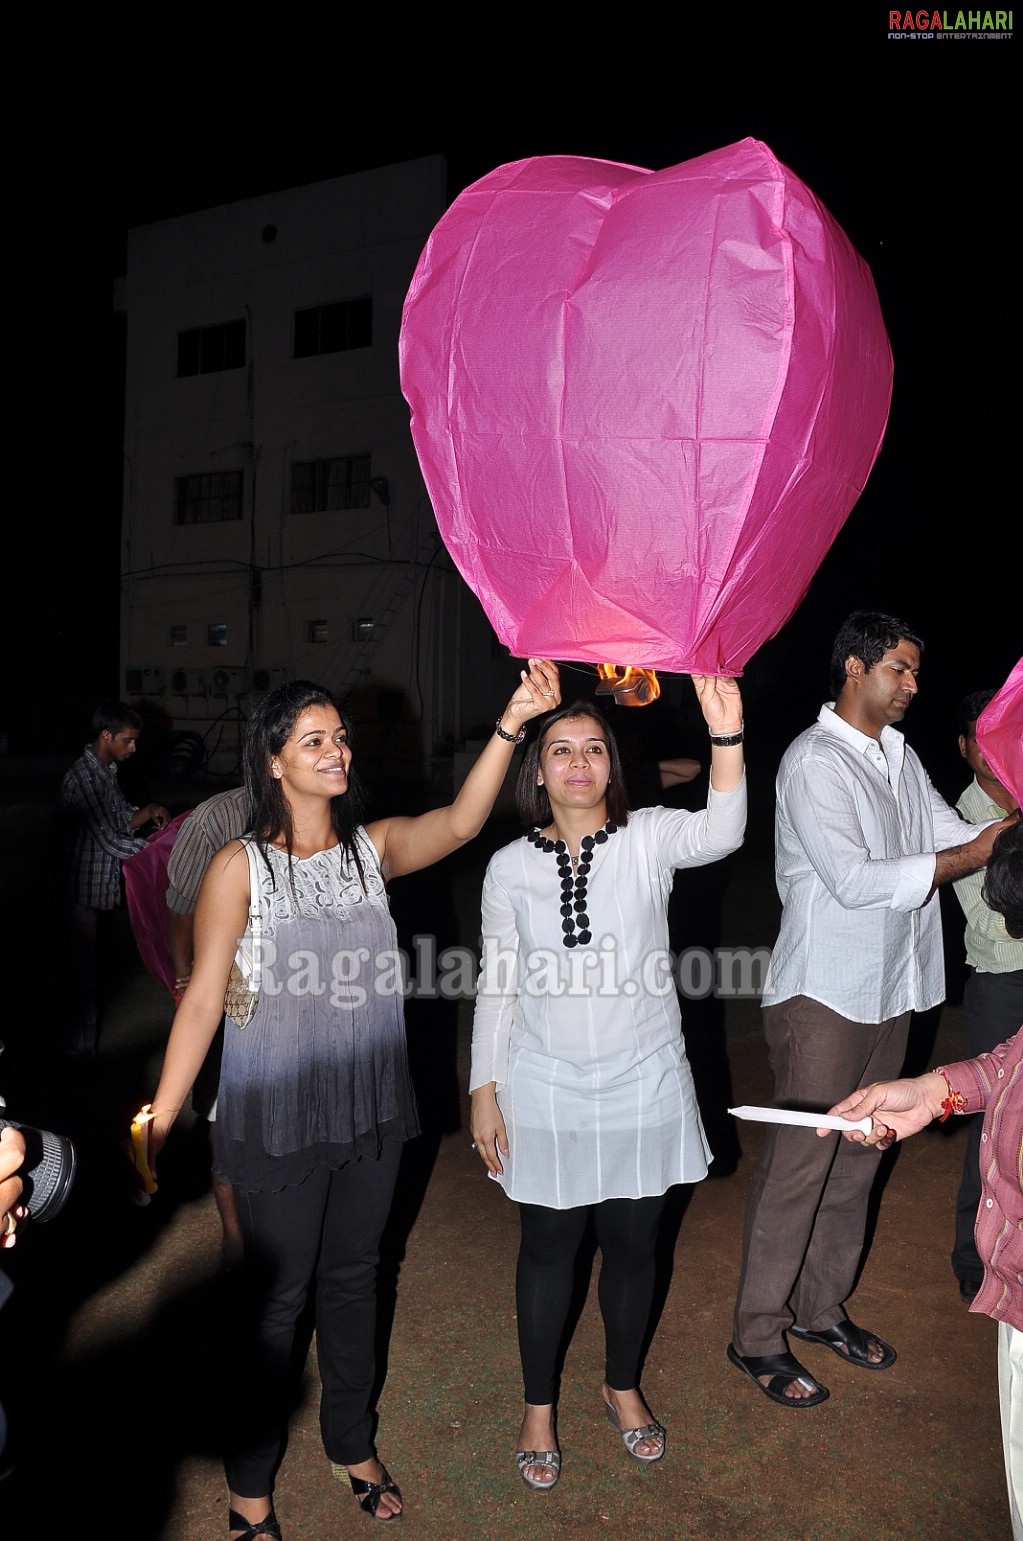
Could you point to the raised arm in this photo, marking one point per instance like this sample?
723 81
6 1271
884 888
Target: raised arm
220 919
721 704
407 844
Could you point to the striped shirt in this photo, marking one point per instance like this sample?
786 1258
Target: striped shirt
993 1083
97 832
206 831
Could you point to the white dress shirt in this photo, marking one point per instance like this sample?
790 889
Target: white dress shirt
856 829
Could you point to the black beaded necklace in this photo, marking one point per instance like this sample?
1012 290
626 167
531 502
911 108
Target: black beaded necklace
573 889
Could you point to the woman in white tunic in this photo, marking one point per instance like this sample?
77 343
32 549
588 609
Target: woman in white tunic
582 1097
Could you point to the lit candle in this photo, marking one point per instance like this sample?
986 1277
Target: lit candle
140 1148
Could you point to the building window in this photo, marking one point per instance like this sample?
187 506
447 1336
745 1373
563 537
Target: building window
317 486
216 634
206 349
317 631
179 636
334 328
209 497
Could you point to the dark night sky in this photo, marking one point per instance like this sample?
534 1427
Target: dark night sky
911 146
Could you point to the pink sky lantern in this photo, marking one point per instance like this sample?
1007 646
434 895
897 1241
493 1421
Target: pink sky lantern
643 402
1000 733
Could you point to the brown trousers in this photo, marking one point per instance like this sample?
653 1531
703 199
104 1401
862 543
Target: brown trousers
807 1207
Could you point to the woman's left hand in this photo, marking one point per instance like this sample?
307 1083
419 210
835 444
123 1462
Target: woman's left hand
12 1155
720 702
539 692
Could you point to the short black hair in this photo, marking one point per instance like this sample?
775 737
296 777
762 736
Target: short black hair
867 635
1003 881
532 801
971 706
113 717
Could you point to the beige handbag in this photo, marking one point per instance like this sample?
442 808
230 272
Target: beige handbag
242 994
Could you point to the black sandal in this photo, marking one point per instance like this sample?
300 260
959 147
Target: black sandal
783 1370
850 1343
254 1528
370 1493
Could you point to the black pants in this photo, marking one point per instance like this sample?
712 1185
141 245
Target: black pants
627 1236
326 1228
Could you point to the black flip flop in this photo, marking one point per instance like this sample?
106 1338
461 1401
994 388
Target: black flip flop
850 1343
783 1370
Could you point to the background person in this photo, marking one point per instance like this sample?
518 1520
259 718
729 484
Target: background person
993 997
100 831
582 1098
315 1100
208 828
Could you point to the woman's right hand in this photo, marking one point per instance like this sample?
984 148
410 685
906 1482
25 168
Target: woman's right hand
486 1123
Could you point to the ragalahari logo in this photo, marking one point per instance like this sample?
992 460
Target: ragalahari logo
950 26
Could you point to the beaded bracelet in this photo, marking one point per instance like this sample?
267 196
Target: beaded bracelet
955 1102
510 738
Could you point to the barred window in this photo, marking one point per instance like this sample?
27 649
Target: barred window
203 350
318 486
334 328
208 497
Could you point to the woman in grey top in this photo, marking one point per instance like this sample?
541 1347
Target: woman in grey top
314 1100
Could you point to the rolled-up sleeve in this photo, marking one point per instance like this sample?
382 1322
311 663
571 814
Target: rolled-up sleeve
822 809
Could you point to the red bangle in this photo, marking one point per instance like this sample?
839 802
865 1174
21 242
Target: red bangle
955 1102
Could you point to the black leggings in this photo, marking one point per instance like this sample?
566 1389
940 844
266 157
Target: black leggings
627 1236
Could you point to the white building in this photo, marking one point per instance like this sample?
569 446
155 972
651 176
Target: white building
275 522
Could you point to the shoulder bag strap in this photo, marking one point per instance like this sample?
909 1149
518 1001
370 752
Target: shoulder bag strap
255 917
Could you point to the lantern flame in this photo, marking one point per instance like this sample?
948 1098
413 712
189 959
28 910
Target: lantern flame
628 685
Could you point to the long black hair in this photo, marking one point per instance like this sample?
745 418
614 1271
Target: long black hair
267 731
532 802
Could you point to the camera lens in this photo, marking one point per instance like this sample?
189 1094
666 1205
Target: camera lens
47 1171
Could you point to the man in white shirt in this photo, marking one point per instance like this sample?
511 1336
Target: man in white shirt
862 840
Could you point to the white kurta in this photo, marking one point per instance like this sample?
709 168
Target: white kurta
585 1044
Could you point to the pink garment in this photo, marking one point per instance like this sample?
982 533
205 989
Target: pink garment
145 888
643 402
1000 733
994 1083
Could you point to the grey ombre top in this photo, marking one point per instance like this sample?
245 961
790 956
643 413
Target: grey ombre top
319 1076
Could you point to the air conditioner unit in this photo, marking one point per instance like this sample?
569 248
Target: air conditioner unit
188 682
228 682
145 681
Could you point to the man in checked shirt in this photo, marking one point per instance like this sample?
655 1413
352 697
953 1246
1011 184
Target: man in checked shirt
101 829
